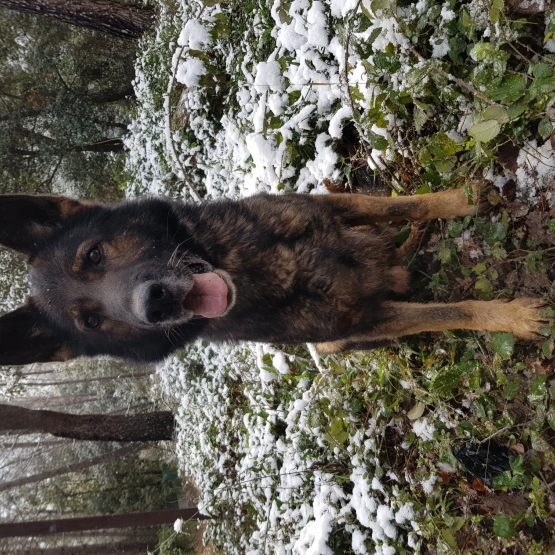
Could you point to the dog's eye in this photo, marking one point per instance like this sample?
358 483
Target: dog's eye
92 320
94 255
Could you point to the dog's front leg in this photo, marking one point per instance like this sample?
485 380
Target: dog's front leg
363 209
522 317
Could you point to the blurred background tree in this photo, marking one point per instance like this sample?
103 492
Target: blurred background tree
65 98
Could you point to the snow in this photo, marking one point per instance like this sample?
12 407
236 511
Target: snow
277 130
423 429
190 72
336 127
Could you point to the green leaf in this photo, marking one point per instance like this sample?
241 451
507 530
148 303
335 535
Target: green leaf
537 391
479 269
545 127
496 9
484 286
516 110
543 85
538 443
420 118
379 5
444 165
485 131
441 146
503 344
337 431
458 523
503 527
377 141
511 389
497 113
511 89
445 383
483 50
541 70
449 538
386 61
551 419
375 32
491 232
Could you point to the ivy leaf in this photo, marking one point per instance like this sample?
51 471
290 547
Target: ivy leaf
503 527
503 344
485 131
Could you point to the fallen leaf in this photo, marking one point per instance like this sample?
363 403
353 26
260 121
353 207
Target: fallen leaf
416 411
505 503
518 448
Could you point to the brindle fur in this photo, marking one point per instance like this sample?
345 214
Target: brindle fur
300 268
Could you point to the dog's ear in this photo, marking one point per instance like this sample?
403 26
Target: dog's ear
25 337
26 221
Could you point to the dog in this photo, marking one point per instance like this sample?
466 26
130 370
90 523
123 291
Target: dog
142 279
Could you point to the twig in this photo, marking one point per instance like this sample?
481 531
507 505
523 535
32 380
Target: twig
168 113
361 131
506 428
460 82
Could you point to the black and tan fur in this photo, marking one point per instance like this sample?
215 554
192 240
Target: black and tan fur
298 268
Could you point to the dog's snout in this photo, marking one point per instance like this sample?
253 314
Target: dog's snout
158 303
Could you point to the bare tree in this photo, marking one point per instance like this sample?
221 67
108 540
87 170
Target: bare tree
75 467
114 17
119 548
148 426
62 525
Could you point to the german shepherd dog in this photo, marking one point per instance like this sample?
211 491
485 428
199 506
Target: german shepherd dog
143 278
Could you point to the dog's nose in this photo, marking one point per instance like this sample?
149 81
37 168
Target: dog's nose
158 303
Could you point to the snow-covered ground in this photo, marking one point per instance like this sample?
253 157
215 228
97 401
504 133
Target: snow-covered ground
235 100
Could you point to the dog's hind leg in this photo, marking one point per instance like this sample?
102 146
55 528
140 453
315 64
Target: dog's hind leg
522 317
408 250
364 209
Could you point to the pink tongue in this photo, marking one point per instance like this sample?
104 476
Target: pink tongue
208 297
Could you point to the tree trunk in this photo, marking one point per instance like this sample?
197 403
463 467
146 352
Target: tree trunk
107 145
148 426
75 467
88 380
62 525
34 444
120 548
114 17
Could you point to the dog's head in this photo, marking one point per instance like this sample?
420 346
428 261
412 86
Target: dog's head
128 280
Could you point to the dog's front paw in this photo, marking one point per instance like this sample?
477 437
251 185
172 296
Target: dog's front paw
532 318
481 195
